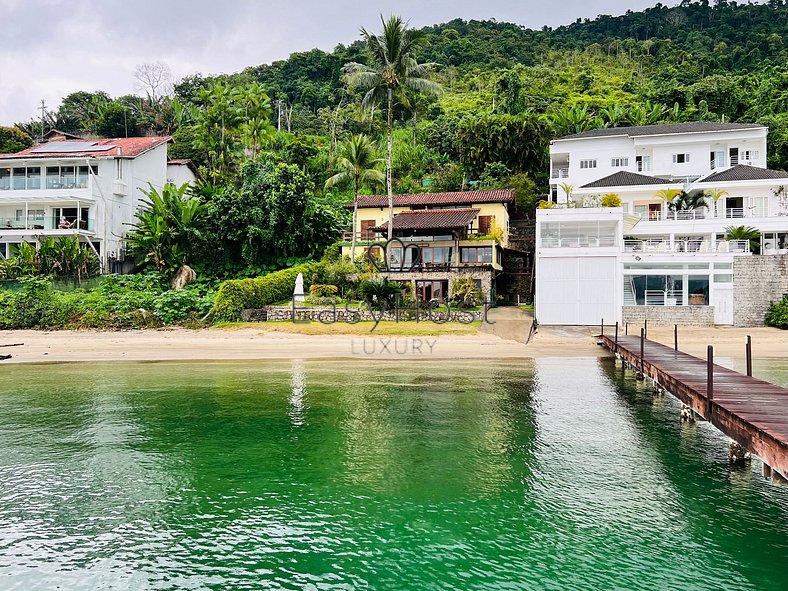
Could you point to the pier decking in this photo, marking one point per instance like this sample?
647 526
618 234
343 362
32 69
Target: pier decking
750 411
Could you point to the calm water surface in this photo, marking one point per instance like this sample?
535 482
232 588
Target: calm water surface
330 475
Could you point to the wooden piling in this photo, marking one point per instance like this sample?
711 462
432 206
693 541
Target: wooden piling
709 379
748 349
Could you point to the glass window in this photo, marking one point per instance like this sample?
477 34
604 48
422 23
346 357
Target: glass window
681 158
698 289
18 179
723 265
5 179
476 254
619 162
33 178
723 278
588 163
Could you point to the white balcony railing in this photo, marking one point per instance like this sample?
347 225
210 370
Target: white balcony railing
560 173
687 246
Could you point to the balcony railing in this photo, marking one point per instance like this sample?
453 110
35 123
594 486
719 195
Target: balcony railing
561 173
39 183
362 236
687 246
48 223
578 242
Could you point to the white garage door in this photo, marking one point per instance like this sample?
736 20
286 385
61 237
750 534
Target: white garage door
576 290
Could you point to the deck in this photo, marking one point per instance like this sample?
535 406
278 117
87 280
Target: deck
750 411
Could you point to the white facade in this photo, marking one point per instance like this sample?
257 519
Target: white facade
663 253
584 158
45 192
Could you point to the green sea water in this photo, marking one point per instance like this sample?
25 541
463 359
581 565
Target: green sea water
551 474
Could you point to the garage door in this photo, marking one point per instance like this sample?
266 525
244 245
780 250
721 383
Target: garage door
576 290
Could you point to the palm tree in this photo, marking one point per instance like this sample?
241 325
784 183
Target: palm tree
357 162
685 201
715 195
567 189
393 69
753 235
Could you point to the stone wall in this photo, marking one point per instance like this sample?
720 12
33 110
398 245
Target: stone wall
757 281
330 315
670 315
485 277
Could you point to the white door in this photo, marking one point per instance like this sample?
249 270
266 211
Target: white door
723 305
577 291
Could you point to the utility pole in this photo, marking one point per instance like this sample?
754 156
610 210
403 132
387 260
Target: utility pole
43 117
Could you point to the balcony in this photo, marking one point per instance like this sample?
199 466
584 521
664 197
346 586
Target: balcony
560 173
47 224
687 246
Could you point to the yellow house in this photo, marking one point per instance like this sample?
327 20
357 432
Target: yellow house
460 234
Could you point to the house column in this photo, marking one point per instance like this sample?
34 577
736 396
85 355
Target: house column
26 210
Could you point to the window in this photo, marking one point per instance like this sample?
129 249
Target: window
643 163
619 162
717 159
366 229
436 255
588 163
5 179
26 178
476 254
486 222
428 290
579 234
681 158
750 155
118 169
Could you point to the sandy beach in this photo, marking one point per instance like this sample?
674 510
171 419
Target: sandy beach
257 343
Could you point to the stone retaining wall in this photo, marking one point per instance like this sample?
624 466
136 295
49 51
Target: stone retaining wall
329 315
670 315
757 281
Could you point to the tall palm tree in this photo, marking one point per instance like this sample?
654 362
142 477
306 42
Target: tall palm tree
753 235
357 162
393 69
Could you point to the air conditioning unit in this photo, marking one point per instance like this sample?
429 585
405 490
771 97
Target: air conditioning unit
120 188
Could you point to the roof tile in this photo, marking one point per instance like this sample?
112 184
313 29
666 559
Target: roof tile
626 179
424 219
129 147
743 172
455 198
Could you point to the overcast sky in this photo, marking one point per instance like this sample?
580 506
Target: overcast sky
49 48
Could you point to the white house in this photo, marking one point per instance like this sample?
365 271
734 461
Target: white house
87 188
681 188
181 171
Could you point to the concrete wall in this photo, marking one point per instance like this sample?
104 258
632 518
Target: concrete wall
757 281
669 315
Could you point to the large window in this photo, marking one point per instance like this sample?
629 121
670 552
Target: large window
476 254
436 255
5 179
579 234
24 178
589 163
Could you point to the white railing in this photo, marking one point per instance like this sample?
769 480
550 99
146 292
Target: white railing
578 242
688 246
686 214
560 173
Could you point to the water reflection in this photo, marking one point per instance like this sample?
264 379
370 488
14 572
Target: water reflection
288 475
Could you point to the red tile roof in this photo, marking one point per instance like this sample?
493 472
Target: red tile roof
425 219
129 147
456 198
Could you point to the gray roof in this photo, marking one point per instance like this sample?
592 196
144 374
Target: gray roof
625 179
745 173
664 129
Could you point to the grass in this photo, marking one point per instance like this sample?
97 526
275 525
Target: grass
385 327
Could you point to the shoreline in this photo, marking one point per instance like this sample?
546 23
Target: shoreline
255 343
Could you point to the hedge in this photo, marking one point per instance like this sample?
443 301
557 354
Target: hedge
237 295
778 314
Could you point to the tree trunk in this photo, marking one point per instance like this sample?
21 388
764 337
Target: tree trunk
389 190
355 221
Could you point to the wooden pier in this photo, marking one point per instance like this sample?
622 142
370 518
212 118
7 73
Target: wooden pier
753 413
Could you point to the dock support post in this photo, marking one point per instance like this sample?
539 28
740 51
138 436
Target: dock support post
616 343
602 328
641 374
626 329
676 338
737 455
748 349
645 327
709 380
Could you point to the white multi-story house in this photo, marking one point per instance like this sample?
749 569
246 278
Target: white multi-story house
681 187
85 188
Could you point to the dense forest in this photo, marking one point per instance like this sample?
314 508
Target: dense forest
268 138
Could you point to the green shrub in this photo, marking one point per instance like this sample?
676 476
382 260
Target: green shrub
544 204
236 295
464 290
611 200
323 290
777 315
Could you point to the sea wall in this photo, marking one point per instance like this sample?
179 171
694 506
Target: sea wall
331 315
757 281
670 315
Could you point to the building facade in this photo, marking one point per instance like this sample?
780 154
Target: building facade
458 235
85 188
670 249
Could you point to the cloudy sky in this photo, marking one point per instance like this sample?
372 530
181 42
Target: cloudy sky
49 48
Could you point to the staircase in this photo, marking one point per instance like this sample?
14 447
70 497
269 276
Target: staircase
629 293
